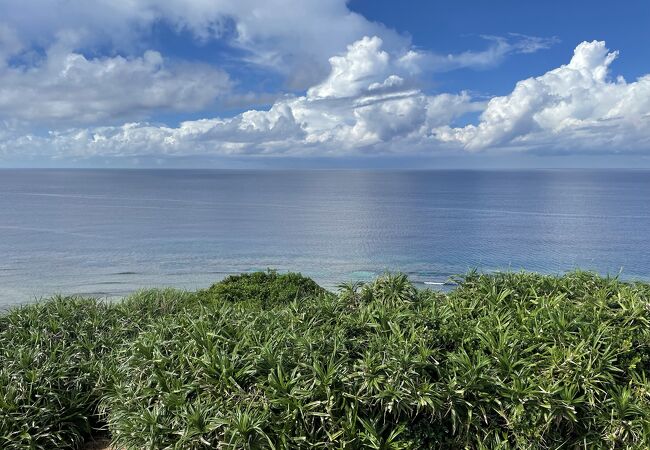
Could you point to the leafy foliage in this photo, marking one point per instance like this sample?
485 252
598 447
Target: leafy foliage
503 361
57 357
266 288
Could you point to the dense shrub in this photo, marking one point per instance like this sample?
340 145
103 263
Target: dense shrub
267 288
56 358
503 361
544 362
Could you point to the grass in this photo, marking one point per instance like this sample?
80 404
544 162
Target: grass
262 360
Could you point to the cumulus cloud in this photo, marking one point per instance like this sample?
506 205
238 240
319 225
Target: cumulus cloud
370 103
86 63
350 73
294 37
67 86
361 104
574 106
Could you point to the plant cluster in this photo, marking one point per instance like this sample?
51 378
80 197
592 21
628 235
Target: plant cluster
262 289
514 360
58 356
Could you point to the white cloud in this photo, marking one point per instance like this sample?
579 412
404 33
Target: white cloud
498 49
370 103
362 103
47 75
64 85
574 106
349 73
10 44
86 63
294 37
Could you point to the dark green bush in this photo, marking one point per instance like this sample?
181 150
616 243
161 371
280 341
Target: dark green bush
268 288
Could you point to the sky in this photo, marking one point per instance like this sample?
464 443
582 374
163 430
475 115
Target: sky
324 83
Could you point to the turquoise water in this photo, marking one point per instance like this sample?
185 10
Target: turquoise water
108 232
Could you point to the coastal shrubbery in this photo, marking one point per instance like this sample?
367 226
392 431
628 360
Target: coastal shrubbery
57 357
513 360
263 289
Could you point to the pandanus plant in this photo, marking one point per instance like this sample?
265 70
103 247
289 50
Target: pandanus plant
504 361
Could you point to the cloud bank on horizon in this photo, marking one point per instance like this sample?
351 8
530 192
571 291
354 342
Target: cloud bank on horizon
80 82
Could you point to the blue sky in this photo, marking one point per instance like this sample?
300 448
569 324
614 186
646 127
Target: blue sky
452 27
324 83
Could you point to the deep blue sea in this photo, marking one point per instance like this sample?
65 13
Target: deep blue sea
109 232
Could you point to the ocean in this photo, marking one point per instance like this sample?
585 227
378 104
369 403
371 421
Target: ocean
109 232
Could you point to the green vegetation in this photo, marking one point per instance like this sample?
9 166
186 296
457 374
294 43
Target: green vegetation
58 357
273 361
265 288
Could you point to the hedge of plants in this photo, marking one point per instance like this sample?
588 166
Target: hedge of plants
57 357
514 360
